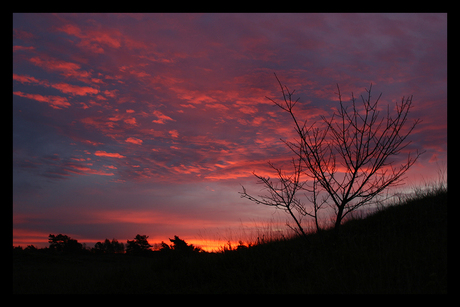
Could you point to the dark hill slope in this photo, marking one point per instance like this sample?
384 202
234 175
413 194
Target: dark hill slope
401 249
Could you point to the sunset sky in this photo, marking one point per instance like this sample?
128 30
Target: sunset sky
128 124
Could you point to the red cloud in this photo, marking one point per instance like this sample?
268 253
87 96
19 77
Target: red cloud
19 48
63 87
111 94
161 118
131 121
71 30
67 69
174 134
75 90
101 153
25 79
91 142
93 39
134 141
101 173
56 102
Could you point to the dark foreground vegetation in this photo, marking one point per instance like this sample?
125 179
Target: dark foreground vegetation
400 249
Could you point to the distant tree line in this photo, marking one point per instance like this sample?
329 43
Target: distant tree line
139 246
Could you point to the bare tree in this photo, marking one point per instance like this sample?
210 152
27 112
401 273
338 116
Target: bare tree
351 157
283 193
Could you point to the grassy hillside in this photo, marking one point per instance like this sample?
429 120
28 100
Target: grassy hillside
401 249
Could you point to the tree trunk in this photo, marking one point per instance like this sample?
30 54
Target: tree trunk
318 229
338 220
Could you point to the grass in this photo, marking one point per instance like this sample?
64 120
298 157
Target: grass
399 249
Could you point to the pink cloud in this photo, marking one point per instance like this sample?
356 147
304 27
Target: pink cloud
161 118
92 142
22 48
115 118
174 134
56 102
61 168
99 172
134 141
93 40
140 74
63 87
21 34
217 106
71 30
25 79
96 80
67 69
104 38
193 96
131 121
248 109
188 106
101 153
100 123
75 90
111 94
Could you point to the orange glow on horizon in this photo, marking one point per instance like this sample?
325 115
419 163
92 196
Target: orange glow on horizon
215 245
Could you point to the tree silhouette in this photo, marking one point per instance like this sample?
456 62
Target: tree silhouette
139 245
179 246
63 243
350 158
109 247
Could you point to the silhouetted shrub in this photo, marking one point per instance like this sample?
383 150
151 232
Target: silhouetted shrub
138 246
179 246
63 243
30 248
109 247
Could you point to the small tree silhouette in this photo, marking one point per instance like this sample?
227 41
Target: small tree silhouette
180 246
109 247
63 243
139 245
350 158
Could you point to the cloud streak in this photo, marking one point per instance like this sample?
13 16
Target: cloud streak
101 153
162 119
56 102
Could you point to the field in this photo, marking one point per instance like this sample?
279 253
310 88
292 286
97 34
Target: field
399 249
